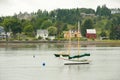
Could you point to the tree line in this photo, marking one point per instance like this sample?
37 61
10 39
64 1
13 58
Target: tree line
59 20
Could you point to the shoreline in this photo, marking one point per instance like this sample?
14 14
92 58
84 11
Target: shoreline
81 42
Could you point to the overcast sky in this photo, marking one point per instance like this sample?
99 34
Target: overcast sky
9 7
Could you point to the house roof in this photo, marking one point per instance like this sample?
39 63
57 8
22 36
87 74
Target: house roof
42 31
91 31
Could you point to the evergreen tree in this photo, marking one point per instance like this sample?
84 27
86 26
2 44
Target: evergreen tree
115 33
115 29
98 11
103 11
88 24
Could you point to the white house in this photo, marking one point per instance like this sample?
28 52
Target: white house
2 32
42 33
1 29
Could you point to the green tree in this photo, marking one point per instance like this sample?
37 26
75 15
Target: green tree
46 24
108 25
103 34
33 22
16 26
60 28
12 24
71 16
71 27
115 29
6 23
29 30
39 22
88 24
39 13
103 11
115 33
98 11
52 30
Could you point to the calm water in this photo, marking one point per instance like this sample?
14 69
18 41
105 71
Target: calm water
17 63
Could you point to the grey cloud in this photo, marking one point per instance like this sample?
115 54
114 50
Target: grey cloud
3 1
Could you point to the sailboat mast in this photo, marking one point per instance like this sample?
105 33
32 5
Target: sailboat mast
69 42
78 37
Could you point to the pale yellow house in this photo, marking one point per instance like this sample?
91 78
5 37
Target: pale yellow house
72 34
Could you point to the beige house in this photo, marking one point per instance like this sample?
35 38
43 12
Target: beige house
72 34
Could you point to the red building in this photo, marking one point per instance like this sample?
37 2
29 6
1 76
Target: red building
91 33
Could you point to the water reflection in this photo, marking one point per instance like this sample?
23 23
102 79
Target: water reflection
50 45
17 63
76 68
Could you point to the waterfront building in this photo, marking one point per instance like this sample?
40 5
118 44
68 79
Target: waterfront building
42 33
91 33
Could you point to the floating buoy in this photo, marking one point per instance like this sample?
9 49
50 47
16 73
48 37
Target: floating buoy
33 56
43 64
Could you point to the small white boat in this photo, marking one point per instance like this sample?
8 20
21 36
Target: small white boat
76 62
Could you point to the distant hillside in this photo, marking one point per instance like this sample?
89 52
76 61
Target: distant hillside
106 21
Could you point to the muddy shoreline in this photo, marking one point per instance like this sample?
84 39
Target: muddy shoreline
81 42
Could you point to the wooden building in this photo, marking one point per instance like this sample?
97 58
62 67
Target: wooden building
91 33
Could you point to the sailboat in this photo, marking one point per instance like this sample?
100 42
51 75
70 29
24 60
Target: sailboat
76 59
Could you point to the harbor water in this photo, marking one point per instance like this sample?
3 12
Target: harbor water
37 62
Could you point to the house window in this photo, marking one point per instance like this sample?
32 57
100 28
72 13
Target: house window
75 35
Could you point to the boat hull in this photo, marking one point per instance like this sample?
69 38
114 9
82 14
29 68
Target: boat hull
76 62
